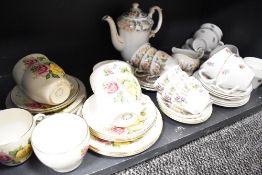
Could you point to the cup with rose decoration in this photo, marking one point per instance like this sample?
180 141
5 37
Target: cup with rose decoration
41 79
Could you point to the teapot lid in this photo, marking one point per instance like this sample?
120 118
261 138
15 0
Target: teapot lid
135 20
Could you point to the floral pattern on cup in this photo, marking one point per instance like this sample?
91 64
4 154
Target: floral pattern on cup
115 68
158 62
43 67
36 105
16 156
147 59
136 58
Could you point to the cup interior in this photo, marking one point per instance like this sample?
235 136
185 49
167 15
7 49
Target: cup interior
59 133
14 123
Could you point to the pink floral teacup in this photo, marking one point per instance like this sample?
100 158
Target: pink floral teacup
41 79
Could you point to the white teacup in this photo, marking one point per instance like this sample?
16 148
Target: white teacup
138 55
118 96
61 141
256 65
41 79
214 64
16 127
190 96
231 47
235 75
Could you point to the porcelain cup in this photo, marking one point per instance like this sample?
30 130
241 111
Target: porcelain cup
61 141
118 97
16 127
41 79
187 63
231 47
158 62
147 59
207 37
256 65
214 64
190 96
138 55
235 75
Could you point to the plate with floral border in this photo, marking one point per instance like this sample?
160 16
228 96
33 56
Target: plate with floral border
124 149
109 132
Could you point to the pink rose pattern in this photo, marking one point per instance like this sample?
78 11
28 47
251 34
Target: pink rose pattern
36 105
5 158
111 87
118 130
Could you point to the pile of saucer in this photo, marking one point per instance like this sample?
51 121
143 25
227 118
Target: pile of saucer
43 87
183 98
149 63
227 78
122 120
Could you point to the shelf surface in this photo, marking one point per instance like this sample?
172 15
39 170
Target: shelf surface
174 135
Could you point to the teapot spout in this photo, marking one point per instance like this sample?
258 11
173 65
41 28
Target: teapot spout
116 39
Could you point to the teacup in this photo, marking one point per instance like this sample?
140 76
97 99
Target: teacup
158 62
97 65
138 55
61 141
41 79
190 96
16 127
207 37
231 47
118 96
105 69
187 63
147 59
256 65
214 64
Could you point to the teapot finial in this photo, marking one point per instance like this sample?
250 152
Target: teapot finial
135 5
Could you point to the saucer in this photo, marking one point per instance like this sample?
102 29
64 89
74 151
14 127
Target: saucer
184 117
123 149
20 100
120 134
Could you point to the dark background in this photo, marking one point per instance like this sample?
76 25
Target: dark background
72 34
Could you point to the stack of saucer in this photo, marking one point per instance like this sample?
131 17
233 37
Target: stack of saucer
43 87
183 98
149 63
122 121
73 104
227 78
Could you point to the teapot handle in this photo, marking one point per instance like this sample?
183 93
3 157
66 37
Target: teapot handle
151 12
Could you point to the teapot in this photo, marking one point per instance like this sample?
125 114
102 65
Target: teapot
135 29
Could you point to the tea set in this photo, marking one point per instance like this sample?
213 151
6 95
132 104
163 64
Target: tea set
48 111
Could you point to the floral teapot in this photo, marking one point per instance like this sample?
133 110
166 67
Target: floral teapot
135 29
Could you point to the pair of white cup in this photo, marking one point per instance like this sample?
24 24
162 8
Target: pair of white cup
227 71
182 92
117 92
59 141
41 79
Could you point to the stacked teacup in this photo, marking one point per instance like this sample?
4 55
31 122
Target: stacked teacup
227 77
149 63
122 120
43 87
183 98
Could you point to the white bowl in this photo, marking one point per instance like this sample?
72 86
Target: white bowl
60 141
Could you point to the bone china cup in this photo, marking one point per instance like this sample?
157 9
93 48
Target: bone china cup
16 126
61 141
256 65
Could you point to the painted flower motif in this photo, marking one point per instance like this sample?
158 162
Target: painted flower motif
118 130
34 105
41 69
131 87
57 70
5 158
241 66
108 71
29 62
111 87
23 153
180 99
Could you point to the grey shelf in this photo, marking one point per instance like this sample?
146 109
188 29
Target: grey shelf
173 136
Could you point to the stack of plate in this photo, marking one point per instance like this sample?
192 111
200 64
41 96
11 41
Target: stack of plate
73 104
226 98
109 140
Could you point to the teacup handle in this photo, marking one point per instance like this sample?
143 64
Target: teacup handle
218 86
160 18
39 117
208 81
